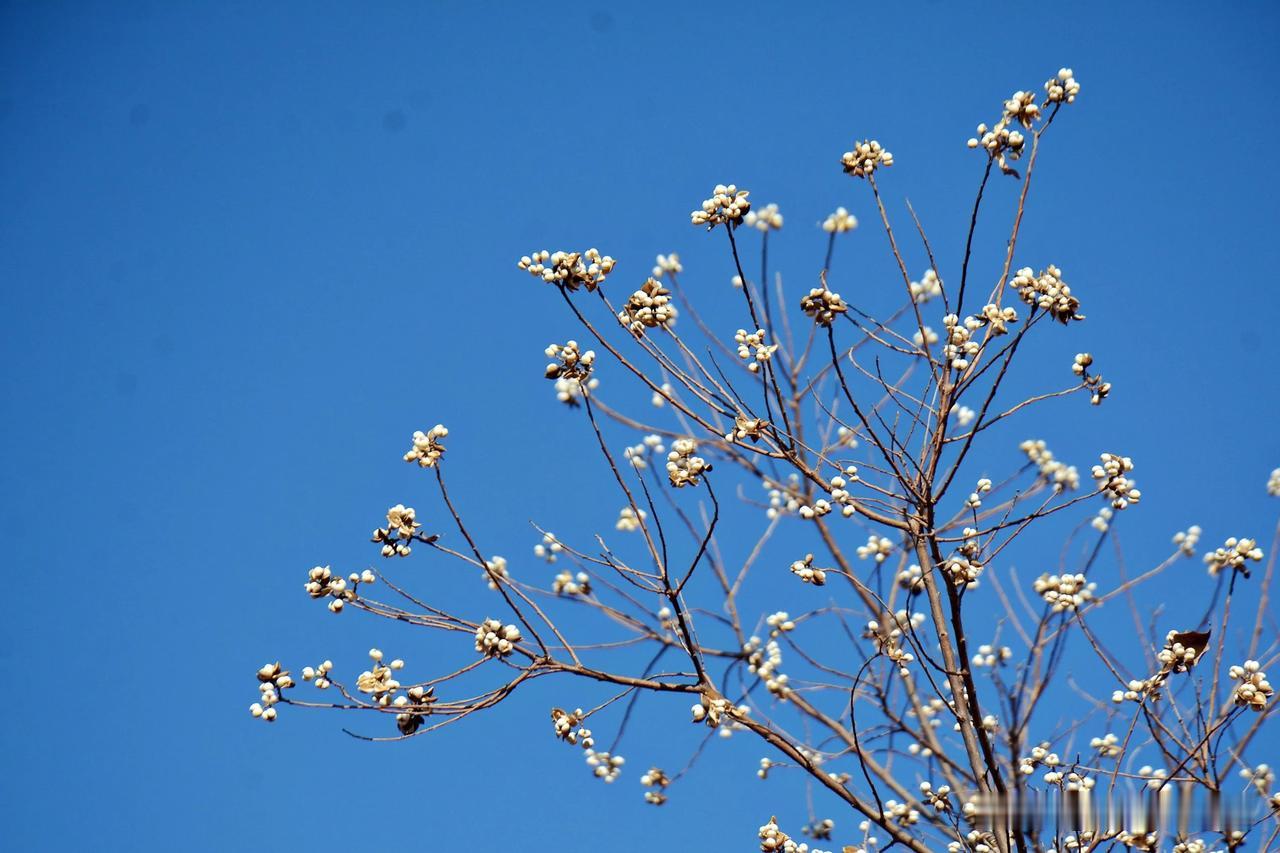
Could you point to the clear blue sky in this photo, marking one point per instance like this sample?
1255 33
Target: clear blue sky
246 249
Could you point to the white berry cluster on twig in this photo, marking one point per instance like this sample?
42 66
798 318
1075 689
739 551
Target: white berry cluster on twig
1113 482
683 466
427 449
648 308
765 219
1253 691
493 639
1234 554
571 270
866 156
1048 291
727 206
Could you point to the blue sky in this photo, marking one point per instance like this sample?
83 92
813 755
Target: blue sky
247 249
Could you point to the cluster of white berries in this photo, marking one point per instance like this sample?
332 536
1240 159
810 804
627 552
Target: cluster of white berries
817 509
568 583
1113 482
1181 650
427 448
774 840
604 766
1234 554
779 623
1186 540
323 583
493 639
1040 755
1260 777
745 427
877 547
938 798
648 308
1065 591
924 336
1047 290
571 371
1253 691
997 318
727 206
379 682
1001 143
901 813
569 727
840 495
964 414
766 219
1060 475
960 346
660 397
783 497
570 269
822 305
804 570
667 265
840 222
629 520
752 348
1063 88
926 288
964 567
764 662
658 782
713 710
990 656
402 528
819 830
683 467
570 362
1092 381
548 548
867 156
911 578
637 454
271 680
495 571
1107 746
1102 521
975 497
887 636
319 674
1273 483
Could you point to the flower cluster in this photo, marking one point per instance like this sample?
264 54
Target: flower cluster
840 222
648 308
271 680
712 710
1001 143
1063 88
415 705
568 583
1107 746
658 781
866 156
1064 592
766 219
667 265
402 528
752 348
1273 483
822 305
779 623
1113 482
727 206
879 547
323 583
569 269
928 287
570 362
629 520
975 497
1234 554
493 639
997 318
804 570
1253 691
1047 290
911 578
764 662
774 840
683 467
1092 381
378 682
840 494
427 448
1060 475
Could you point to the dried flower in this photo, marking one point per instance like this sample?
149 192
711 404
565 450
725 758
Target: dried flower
427 448
648 308
683 467
823 305
1253 691
569 269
